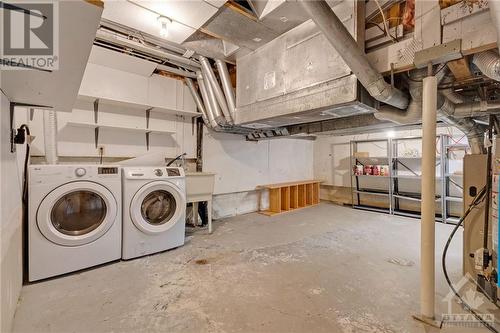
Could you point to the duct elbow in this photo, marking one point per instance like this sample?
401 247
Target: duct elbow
411 115
385 93
488 63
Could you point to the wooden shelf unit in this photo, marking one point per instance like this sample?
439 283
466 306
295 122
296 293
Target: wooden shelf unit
284 197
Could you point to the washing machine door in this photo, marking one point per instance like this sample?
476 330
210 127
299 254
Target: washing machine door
157 207
76 213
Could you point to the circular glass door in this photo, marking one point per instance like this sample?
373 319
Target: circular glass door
157 206
76 213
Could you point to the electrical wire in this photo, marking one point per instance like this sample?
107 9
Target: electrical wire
385 22
477 200
26 160
24 200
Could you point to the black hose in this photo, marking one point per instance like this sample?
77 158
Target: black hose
26 160
175 159
25 202
477 200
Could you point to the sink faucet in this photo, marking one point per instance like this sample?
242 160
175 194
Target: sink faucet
181 157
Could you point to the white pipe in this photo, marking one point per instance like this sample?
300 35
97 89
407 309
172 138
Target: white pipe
213 85
428 205
206 100
226 86
50 135
212 99
197 100
177 71
115 39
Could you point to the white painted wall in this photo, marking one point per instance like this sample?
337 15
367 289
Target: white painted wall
241 166
10 223
75 141
124 97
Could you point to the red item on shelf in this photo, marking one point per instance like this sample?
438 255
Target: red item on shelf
368 170
376 170
358 170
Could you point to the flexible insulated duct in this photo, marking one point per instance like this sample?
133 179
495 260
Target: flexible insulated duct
50 136
218 123
473 130
413 114
197 100
488 63
340 38
206 101
215 89
226 85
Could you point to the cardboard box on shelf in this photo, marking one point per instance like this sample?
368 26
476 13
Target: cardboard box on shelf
361 154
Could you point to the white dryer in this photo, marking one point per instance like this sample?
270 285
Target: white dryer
74 218
154 210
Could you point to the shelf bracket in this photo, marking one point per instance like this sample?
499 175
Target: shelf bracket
96 110
96 136
148 116
96 119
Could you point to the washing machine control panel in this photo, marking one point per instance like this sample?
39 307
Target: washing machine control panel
80 172
158 172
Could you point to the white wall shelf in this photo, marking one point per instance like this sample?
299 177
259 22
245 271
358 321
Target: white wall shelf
131 105
122 128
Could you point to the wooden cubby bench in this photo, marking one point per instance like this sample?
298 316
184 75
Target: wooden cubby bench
285 197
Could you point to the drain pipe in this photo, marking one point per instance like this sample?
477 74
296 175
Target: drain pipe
340 38
226 86
50 136
213 86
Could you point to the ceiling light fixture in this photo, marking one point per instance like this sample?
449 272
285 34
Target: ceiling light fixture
164 23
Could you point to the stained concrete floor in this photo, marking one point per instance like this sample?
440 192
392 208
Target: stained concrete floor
321 269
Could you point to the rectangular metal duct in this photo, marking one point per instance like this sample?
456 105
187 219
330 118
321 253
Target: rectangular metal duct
299 77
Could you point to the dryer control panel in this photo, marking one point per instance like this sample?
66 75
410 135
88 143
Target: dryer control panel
153 173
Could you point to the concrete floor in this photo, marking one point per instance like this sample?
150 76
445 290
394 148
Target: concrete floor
321 269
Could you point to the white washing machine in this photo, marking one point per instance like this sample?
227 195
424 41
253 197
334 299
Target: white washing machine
74 218
154 210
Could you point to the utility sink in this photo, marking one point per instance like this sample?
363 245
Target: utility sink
199 186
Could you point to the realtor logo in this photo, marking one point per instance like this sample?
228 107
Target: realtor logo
30 35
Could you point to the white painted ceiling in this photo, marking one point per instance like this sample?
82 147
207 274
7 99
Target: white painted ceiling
187 15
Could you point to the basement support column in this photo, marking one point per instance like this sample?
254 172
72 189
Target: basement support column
428 205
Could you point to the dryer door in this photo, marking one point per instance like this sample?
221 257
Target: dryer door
157 206
76 213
